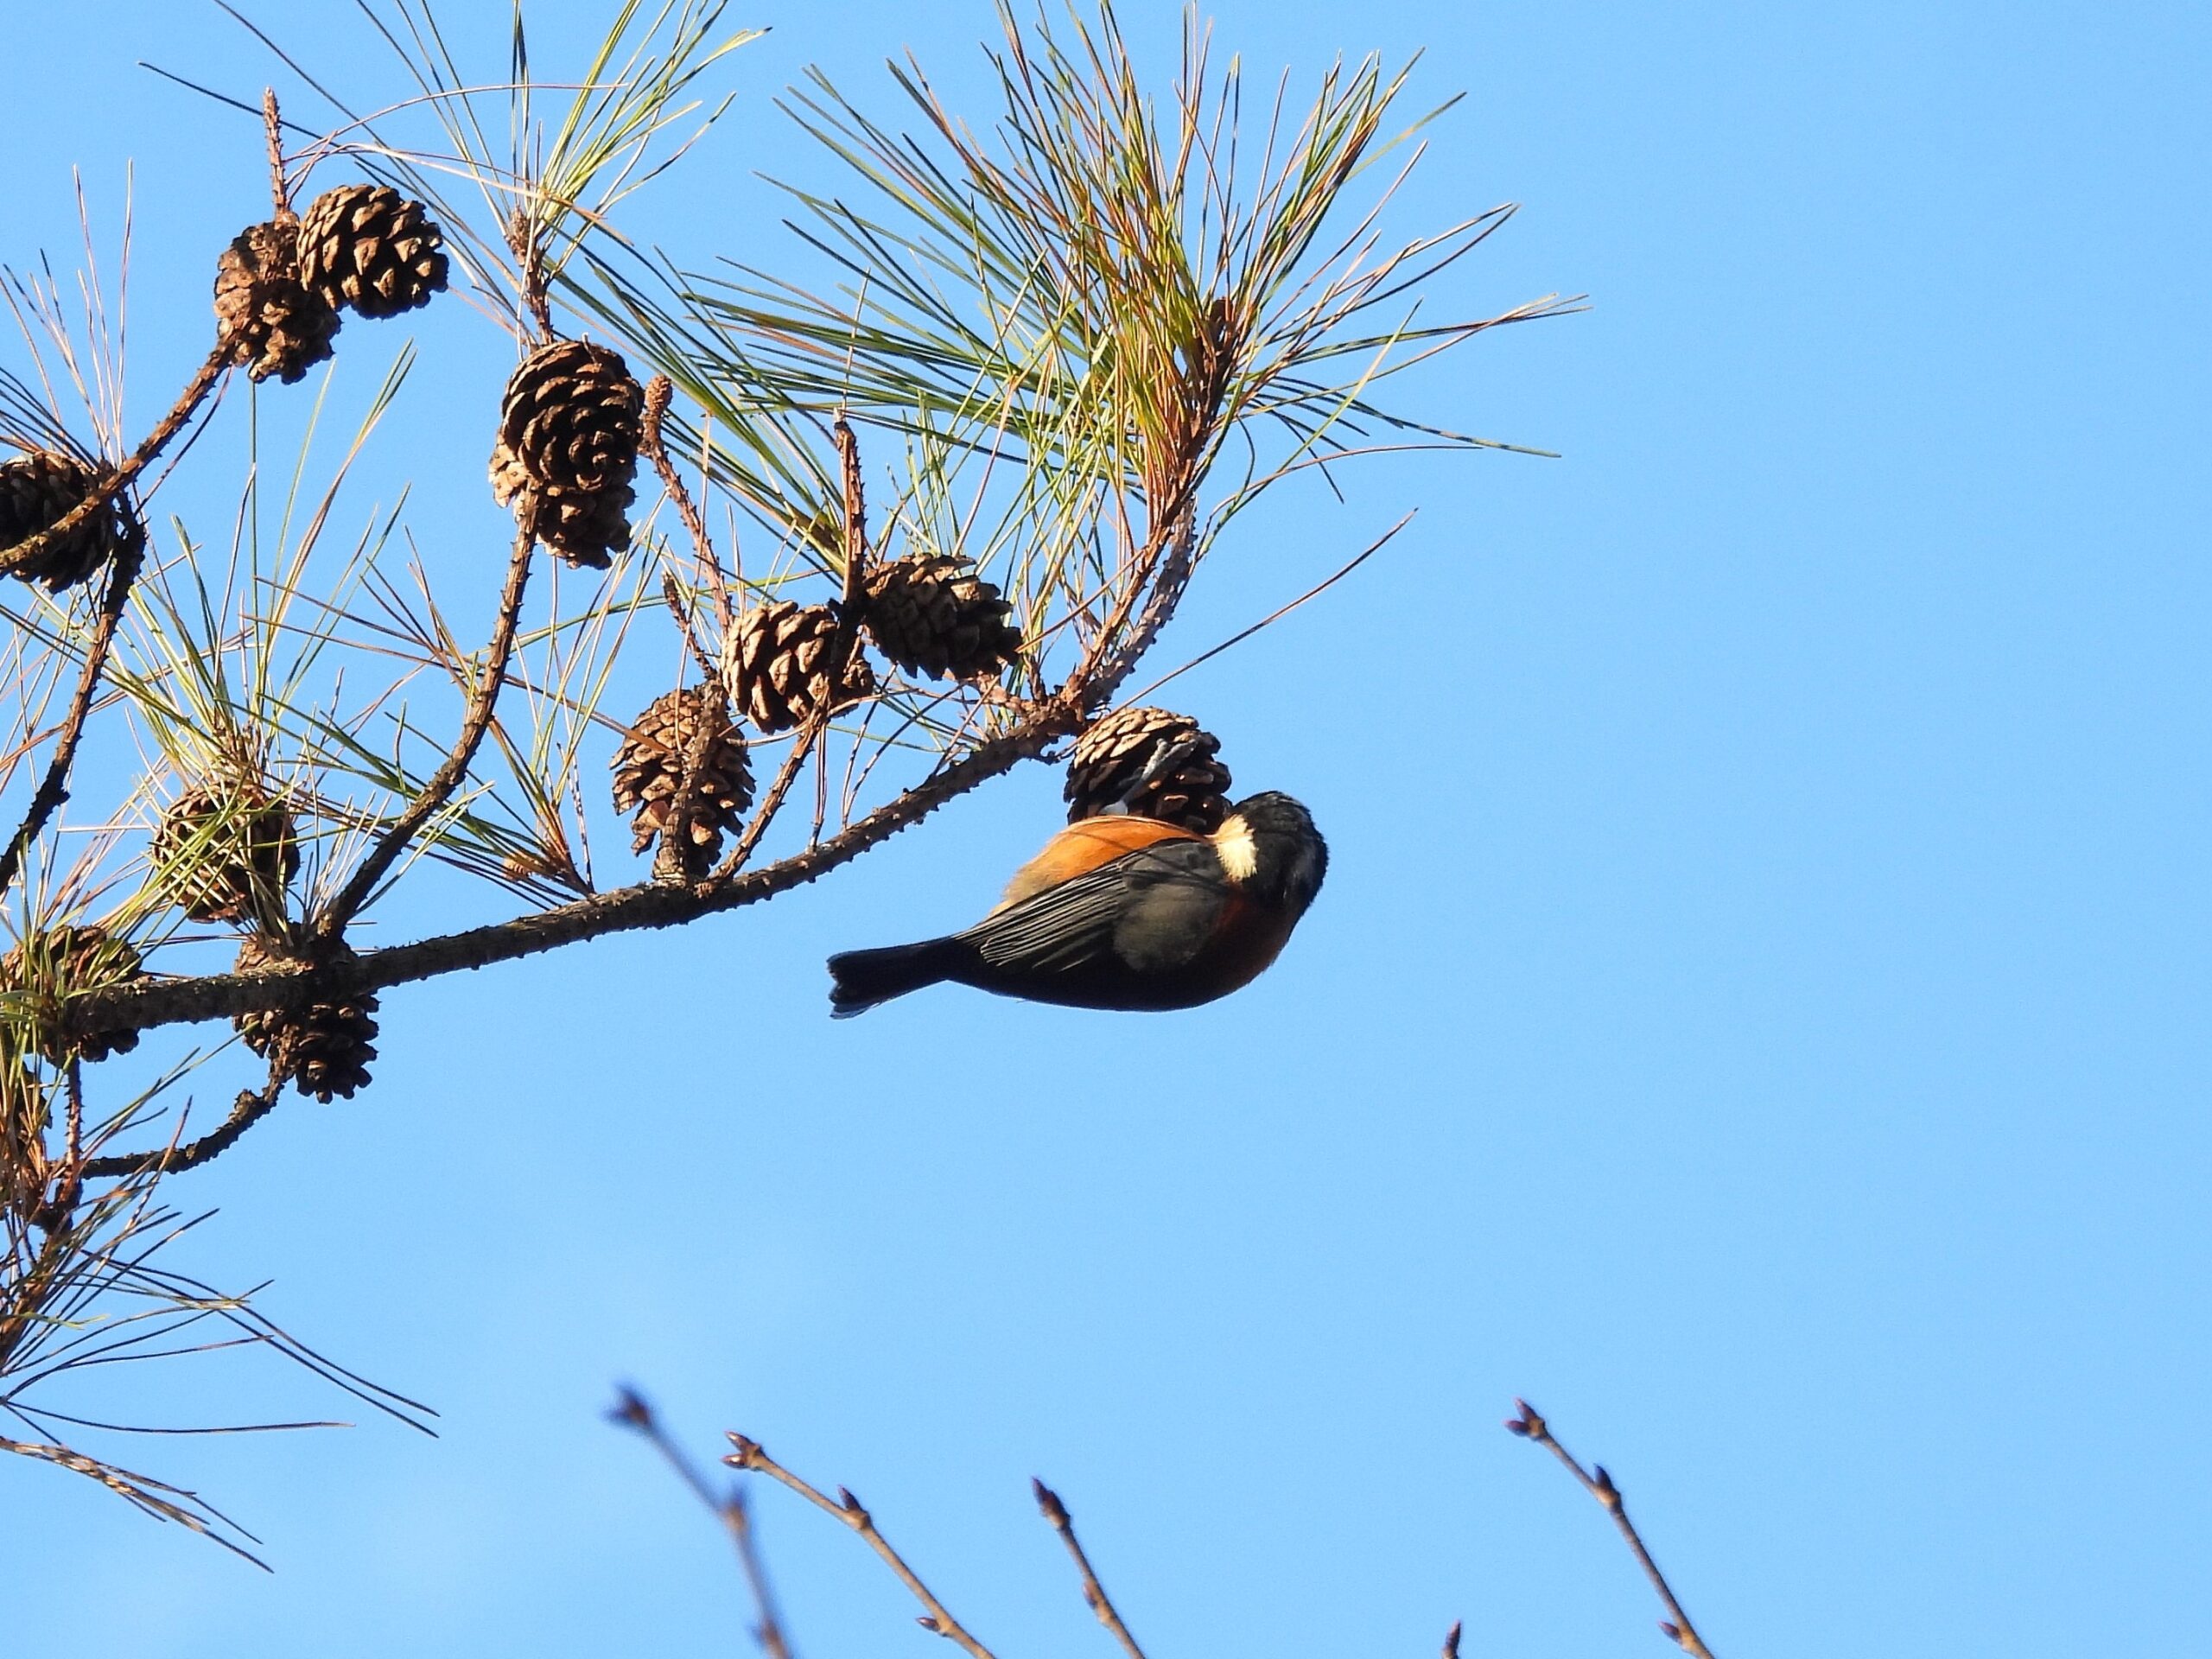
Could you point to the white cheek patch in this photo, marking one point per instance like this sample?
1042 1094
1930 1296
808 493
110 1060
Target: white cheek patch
1240 858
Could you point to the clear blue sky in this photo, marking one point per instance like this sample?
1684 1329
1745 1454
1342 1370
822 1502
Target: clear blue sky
1758 1010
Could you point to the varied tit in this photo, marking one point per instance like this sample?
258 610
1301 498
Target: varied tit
1121 912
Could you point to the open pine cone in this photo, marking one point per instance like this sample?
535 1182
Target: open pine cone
37 491
777 666
272 322
227 858
324 1048
367 246
931 613
569 426
649 766
48 968
1154 762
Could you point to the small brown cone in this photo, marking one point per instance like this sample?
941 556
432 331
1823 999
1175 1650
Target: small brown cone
1109 766
227 858
367 246
569 426
932 614
272 322
48 968
37 490
325 1048
777 665
650 765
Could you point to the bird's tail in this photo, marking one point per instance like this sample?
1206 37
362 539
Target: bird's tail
860 979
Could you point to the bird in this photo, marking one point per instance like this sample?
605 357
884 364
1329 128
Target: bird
1121 912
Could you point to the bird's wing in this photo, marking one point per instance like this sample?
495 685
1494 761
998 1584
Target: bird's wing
1085 846
1151 908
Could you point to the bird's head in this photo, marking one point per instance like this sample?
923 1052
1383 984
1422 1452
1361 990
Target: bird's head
1269 848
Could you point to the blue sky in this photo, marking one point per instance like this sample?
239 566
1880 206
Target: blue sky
1758 1009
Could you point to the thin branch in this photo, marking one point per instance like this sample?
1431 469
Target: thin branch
646 905
53 788
204 380
274 124
748 1455
448 778
631 1410
1530 1426
250 1107
1093 1593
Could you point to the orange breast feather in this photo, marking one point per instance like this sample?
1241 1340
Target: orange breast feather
1082 848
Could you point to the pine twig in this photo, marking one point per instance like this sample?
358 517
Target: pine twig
1093 1593
53 788
274 124
631 1410
250 1107
204 379
1530 1426
644 904
450 773
848 1508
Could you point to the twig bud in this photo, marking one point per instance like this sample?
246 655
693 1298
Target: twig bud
1529 1424
1048 1502
852 1505
1608 1494
1673 1633
744 1453
931 1625
631 1411
1452 1639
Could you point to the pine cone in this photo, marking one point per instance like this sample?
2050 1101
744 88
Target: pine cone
227 858
649 769
273 322
932 614
48 968
1110 760
325 1048
569 426
37 490
776 666
367 246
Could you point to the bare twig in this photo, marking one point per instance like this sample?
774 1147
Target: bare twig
448 778
203 381
274 122
1530 1426
633 1411
1093 1593
747 1454
250 1107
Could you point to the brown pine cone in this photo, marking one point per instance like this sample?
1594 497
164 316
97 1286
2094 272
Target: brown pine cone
48 968
649 766
775 665
1111 760
273 322
932 614
227 858
367 246
37 490
569 426
324 1048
